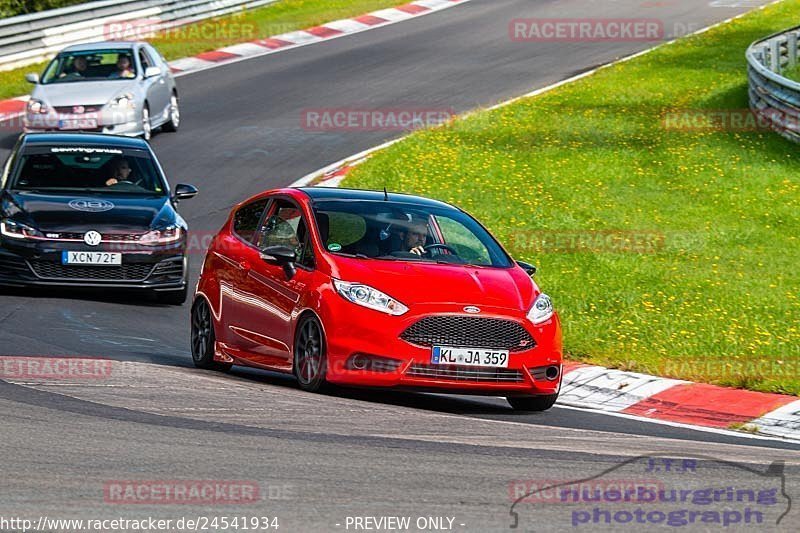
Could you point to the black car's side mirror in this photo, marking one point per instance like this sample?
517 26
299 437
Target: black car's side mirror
527 267
283 256
184 192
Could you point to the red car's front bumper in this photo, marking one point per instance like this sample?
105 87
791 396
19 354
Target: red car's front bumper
352 330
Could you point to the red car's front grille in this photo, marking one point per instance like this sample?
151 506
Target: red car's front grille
466 373
469 332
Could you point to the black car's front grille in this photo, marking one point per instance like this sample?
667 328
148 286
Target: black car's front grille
107 237
13 265
52 270
466 373
469 332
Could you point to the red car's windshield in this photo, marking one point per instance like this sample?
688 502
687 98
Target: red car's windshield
403 231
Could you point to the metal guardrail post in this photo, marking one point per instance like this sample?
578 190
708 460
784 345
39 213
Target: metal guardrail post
791 49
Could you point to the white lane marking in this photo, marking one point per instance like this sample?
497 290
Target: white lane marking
718 431
346 25
782 422
392 14
432 4
243 49
191 63
297 37
607 389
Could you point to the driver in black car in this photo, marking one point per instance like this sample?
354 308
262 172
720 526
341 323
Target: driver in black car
120 171
413 235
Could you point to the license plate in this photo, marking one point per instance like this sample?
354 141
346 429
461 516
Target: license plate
445 355
91 258
77 124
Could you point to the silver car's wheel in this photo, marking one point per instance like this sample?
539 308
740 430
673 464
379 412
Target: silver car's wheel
174 114
147 130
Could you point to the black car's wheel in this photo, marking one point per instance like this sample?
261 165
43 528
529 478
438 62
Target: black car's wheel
147 129
532 403
310 361
172 297
174 120
203 338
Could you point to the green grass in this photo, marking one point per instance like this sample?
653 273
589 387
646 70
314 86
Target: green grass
281 17
713 295
793 74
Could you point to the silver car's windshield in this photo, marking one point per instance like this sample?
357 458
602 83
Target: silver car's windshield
90 65
92 169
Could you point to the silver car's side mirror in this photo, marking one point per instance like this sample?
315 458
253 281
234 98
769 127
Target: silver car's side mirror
152 72
32 77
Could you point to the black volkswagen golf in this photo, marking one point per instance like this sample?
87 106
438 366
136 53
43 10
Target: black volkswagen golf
86 210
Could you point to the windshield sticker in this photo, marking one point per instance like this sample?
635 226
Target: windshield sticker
334 247
91 205
84 150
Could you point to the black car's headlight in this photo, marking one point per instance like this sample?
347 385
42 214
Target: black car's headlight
17 230
158 237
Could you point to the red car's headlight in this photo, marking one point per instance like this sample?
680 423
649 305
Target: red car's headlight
364 295
542 309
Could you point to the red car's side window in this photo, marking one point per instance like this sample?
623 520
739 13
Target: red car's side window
246 219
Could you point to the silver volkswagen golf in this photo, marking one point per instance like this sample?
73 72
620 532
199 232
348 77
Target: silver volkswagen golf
125 88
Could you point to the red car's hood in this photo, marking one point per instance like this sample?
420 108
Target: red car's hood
411 282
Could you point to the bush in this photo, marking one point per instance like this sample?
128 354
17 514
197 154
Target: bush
11 8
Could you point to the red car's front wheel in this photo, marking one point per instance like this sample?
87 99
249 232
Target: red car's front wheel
532 403
310 361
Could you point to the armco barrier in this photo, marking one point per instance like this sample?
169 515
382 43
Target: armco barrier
772 95
28 39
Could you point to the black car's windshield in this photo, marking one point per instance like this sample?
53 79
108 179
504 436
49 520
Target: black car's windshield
409 232
90 65
88 168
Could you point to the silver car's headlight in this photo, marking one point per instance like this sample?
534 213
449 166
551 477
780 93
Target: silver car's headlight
124 101
364 295
542 309
17 230
36 106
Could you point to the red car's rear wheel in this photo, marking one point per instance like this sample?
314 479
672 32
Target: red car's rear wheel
310 361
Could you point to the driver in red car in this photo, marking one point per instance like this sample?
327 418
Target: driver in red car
413 235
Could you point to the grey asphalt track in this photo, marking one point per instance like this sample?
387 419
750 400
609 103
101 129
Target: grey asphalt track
355 452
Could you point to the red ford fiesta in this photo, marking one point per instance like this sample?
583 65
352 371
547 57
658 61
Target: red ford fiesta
365 288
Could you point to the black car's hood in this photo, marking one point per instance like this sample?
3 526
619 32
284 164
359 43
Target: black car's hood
76 212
